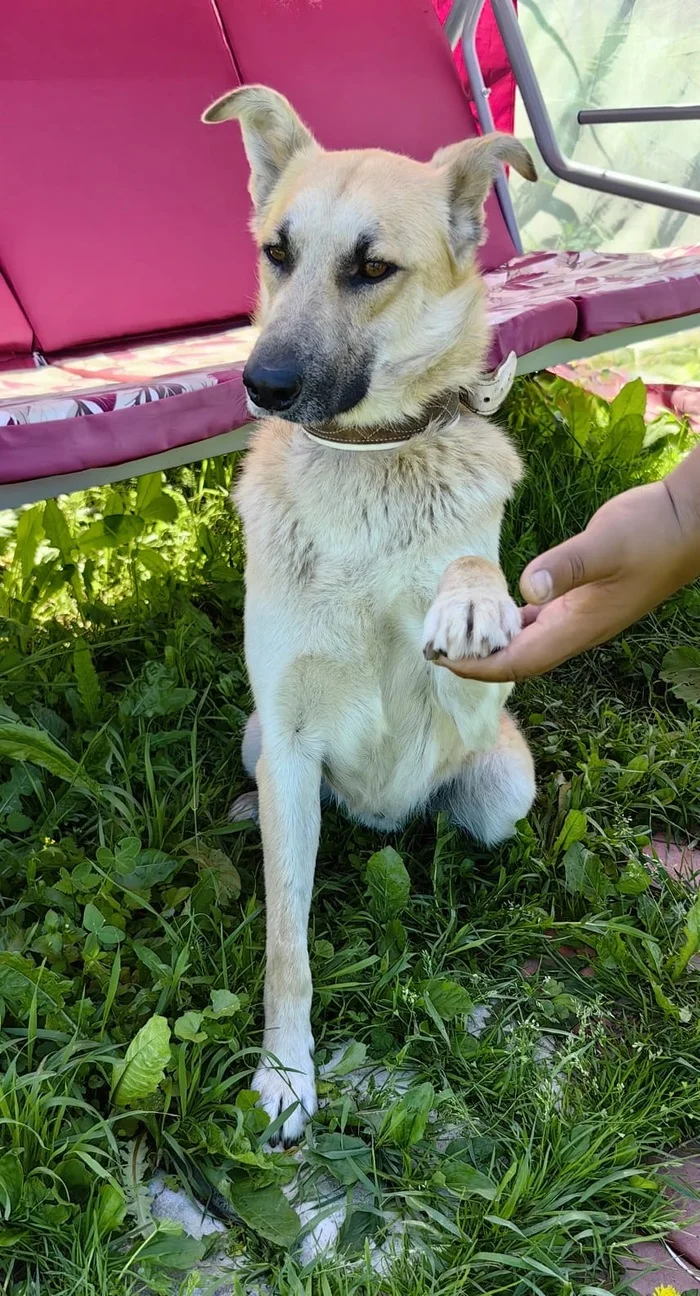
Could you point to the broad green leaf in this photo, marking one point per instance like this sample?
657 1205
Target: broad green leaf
461 1177
18 822
346 1157
153 561
632 399
11 1184
126 854
448 998
162 510
388 883
266 1211
170 1250
223 1004
393 937
93 920
151 868
187 1027
28 534
405 1122
225 875
353 1057
95 538
155 693
634 879
110 532
88 681
10 1236
111 1207
22 742
579 409
665 1004
143 1068
123 527
57 529
148 488
17 786
584 875
110 935
681 669
573 830
625 439
691 941
21 983
150 960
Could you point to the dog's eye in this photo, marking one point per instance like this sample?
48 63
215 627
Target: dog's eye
375 270
276 253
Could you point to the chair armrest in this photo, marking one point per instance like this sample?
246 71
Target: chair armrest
668 112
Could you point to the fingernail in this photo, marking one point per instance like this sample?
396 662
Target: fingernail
541 585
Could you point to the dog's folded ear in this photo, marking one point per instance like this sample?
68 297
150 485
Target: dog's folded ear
272 133
470 169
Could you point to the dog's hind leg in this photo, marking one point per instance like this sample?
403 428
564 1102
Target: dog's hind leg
289 781
495 789
246 806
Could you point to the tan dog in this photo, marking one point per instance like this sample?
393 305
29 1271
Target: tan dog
372 505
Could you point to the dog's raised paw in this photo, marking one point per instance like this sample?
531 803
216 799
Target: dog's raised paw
245 808
458 625
292 1086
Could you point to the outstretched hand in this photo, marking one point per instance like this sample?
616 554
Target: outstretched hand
636 551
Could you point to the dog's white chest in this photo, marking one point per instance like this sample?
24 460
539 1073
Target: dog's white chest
344 560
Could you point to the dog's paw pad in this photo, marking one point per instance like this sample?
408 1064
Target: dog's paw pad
458 626
280 1088
245 809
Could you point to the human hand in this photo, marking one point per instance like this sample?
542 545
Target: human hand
636 551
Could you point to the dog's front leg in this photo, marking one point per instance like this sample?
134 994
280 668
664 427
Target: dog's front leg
473 613
289 781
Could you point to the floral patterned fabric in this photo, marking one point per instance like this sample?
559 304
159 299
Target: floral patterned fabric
122 377
117 398
544 277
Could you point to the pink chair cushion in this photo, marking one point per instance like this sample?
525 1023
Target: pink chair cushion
91 411
363 74
522 326
121 213
610 290
15 330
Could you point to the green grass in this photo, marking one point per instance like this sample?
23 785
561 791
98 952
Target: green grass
129 902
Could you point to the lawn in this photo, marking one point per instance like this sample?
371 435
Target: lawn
513 1036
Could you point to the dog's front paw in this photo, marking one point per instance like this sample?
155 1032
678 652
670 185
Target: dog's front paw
281 1087
458 625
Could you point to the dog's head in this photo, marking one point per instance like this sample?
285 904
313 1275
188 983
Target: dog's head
370 301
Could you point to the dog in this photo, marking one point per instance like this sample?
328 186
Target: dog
372 502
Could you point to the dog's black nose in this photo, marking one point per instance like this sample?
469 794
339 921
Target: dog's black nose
271 387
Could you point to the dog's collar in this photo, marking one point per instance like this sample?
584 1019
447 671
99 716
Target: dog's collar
441 413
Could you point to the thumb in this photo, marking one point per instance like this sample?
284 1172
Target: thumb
578 561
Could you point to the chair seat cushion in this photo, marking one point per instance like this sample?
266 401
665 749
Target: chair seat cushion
609 290
93 411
